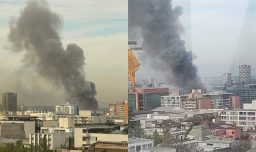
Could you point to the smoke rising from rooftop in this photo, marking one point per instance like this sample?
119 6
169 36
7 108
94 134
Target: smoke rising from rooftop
157 23
36 31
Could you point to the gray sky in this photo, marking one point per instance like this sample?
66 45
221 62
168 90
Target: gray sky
220 33
98 27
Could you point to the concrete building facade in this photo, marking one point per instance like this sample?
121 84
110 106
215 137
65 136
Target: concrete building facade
84 138
66 109
55 140
173 101
245 118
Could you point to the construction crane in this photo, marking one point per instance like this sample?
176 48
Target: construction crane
133 66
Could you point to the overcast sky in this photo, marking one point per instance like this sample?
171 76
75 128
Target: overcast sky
99 27
220 33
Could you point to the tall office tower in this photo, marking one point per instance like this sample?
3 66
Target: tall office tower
227 79
143 99
244 74
9 102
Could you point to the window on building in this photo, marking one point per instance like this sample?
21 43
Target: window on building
85 138
242 118
251 113
242 113
84 130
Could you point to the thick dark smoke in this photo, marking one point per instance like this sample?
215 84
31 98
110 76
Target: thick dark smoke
157 23
36 32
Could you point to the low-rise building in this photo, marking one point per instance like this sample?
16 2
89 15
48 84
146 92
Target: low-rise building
140 144
227 131
245 118
211 145
85 136
66 122
109 147
55 140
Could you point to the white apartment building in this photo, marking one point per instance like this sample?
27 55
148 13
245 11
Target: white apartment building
66 109
140 144
83 137
245 118
190 104
54 140
173 101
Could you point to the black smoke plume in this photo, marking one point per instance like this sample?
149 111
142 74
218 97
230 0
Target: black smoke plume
157 23
36 31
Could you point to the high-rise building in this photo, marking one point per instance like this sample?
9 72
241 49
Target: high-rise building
119 110
245 74
146 98
9 102
227 79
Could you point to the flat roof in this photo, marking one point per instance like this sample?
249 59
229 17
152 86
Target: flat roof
94 126
138 140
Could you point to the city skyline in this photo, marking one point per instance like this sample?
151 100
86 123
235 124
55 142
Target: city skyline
99 30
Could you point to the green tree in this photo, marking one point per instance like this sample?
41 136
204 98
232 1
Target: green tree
20 147
157 138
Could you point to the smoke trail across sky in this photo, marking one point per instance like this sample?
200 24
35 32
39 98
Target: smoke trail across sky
157 23
36 31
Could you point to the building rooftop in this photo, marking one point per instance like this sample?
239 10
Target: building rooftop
168 109
94 126
240 110
138 140
161 149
